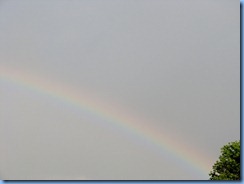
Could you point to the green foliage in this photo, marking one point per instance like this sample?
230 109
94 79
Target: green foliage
228 165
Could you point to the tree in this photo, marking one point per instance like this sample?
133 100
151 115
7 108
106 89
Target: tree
228 165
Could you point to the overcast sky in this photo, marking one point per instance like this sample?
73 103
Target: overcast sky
173 64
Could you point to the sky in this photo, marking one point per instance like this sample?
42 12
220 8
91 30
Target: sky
117 89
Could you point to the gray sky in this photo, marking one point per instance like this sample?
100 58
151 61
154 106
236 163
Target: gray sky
173 64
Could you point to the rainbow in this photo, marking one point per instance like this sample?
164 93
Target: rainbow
139 129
